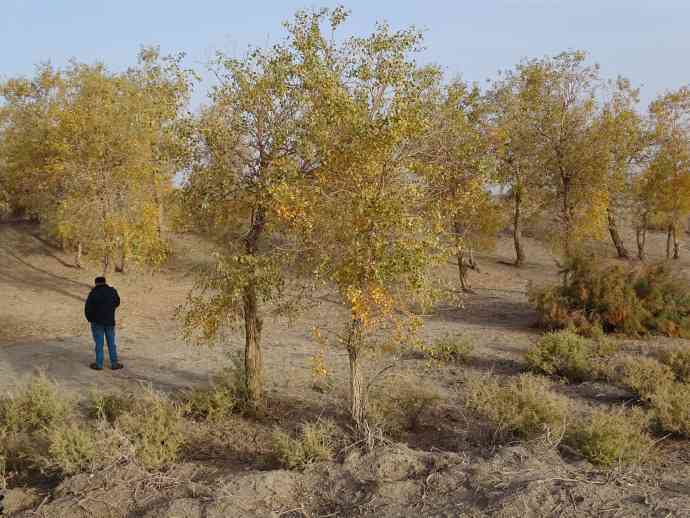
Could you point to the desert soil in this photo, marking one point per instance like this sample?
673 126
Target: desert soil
438 472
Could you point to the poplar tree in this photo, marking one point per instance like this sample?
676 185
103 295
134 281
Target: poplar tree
249 145
359 213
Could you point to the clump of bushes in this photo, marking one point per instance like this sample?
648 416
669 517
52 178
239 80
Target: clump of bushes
109 407
632 300
77 447
671 408
44 431
316 442
641 375
450 349
608 438
678 360
40 405
571 356
154 426
213 403
522 407
397 405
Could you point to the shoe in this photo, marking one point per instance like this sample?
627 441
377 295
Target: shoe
95 367
117 366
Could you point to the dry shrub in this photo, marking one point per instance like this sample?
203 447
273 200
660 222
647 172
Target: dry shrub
25 416
641 375
566 354
678 360
37 406
81 447
214 403
109 407
315 443
612 438
671 407
155 427
397 404
523 407
450 349
633 300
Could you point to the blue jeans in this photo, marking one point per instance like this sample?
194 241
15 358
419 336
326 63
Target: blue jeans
99 333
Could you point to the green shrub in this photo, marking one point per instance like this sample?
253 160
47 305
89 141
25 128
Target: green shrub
450 349
641 375
610 438
671 407
397 404
315 443
154 425
81 447
679 361
566 354
36 407
631 300
109 407
523 407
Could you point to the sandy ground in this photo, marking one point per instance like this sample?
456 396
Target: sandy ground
42 328
42 325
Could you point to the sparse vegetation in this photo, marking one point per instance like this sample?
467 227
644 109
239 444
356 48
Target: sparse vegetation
450 349
341 176
671 408
642 376
610 438
523 407
678 359
571 356
397 404
155 427
316 442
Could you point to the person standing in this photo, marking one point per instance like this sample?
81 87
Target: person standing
99 310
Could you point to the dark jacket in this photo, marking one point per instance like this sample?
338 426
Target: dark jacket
100 305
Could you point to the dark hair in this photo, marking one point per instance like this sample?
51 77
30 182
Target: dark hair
99 280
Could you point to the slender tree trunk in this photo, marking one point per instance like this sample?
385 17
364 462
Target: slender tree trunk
517 230
161 219
123 259
358 391
77 255
462 270
669 232
460 254
676 243
253 356
106 263
615 235
641 237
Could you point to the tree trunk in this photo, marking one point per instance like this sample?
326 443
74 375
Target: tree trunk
358 391
615 236
676 243
253 357
161 218
517 231
668 241
77 255
106 263
462 270
123 259
641 237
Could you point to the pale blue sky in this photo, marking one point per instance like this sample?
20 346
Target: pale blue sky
647 41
